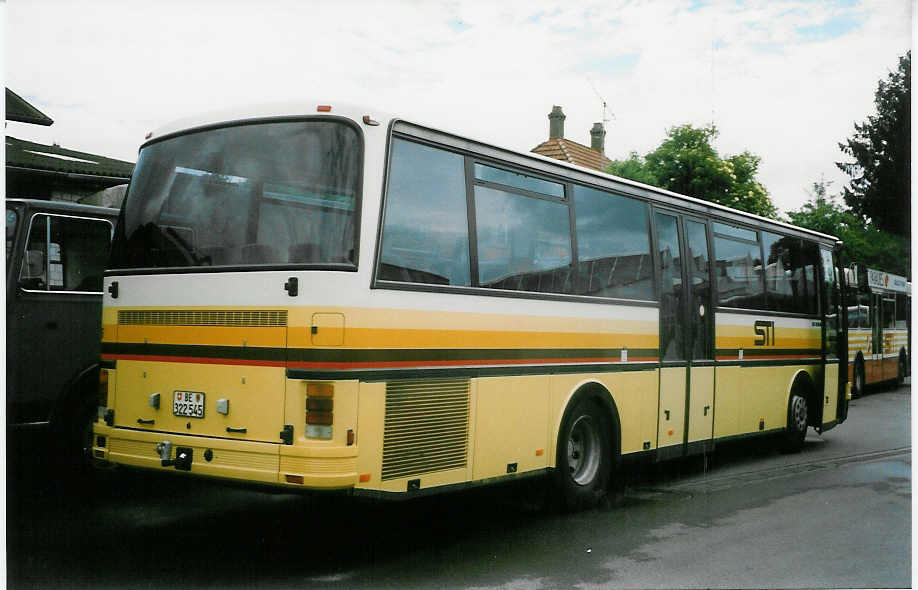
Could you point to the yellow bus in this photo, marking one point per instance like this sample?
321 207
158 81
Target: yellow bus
879 327
324 297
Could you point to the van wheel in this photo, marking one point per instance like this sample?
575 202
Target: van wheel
584 456
73 434
796 424
857 388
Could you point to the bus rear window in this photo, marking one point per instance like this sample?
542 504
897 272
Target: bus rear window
261 194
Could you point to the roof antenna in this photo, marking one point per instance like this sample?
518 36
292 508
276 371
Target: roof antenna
607 115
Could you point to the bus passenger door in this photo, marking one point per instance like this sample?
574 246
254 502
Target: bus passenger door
699 321
686 396
834 345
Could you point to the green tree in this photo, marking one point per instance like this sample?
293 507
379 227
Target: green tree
881 150
687 163
861 241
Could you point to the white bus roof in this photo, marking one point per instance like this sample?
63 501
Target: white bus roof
356 112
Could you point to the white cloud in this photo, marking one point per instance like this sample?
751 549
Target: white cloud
108 72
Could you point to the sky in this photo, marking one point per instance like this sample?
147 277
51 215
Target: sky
783 79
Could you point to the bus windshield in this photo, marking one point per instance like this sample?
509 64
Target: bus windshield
274 193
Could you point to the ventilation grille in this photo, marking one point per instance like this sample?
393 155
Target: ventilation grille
427 427
193 317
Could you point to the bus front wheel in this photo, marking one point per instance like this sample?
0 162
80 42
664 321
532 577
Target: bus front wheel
857 388
584 456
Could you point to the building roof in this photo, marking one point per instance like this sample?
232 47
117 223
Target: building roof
19 110
572 152
53 158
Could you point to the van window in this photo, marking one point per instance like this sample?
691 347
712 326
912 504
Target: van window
65 254
12 218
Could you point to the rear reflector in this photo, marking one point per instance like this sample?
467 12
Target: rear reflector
324 108
318 418
294 478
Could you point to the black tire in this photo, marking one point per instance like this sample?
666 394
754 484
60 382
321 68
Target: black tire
858 382
73 435
797 416
584 456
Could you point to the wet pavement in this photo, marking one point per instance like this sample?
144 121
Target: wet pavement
836 515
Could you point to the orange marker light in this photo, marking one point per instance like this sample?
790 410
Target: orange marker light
364 477
324 108
320 389
540 452
670 432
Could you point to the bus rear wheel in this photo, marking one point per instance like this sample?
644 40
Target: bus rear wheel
797 417
584 456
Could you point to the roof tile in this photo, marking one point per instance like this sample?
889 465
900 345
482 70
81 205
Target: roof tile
572 152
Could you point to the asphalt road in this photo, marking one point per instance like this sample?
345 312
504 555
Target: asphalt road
836 515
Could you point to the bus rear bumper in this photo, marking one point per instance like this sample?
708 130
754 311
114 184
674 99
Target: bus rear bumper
256 462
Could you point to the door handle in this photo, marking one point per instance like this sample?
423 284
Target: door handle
236 430
667 414
706 408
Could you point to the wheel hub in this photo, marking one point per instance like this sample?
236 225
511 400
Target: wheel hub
583 450
799 413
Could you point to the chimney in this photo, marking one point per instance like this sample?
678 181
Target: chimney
598 138
556 122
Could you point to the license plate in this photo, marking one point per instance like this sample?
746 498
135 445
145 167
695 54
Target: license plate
189 404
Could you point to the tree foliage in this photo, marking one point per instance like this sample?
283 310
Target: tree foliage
687 163
862 242
881 152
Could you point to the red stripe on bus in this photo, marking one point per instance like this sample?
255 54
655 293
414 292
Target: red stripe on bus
462 362
365 365
749 357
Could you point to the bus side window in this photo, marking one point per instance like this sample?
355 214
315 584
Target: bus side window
889 314
613 244
901 315
739 267
425 231
864 310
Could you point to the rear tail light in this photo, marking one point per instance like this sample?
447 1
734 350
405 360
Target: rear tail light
320 404
102 393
